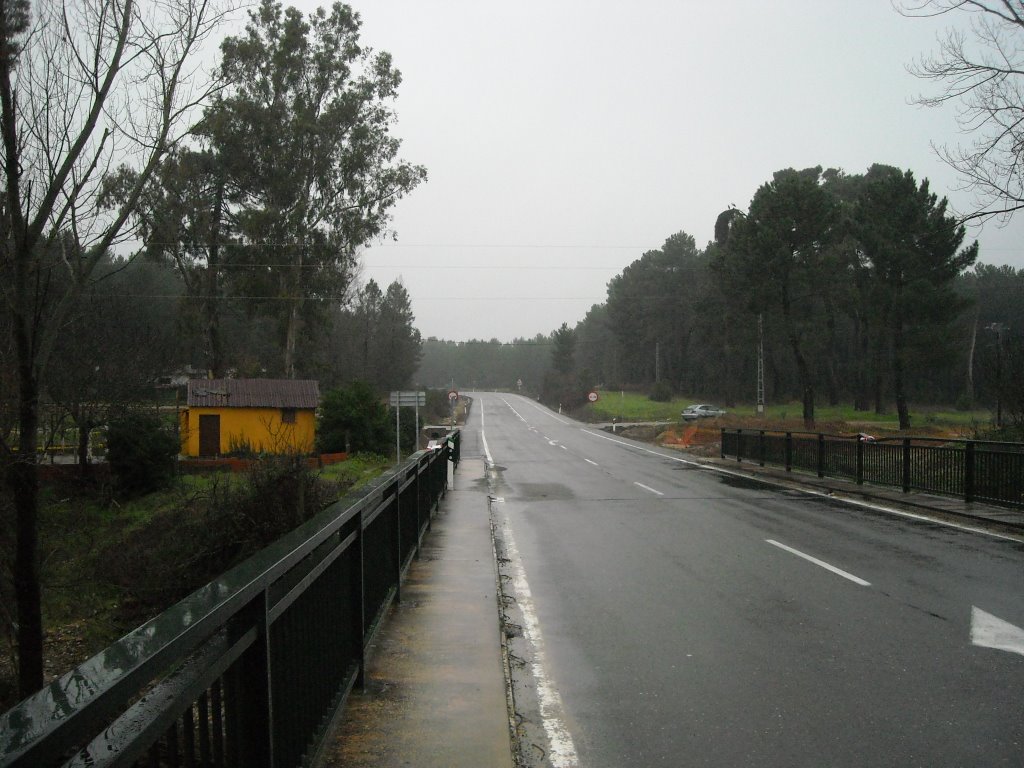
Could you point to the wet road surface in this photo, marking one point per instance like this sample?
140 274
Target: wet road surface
666 614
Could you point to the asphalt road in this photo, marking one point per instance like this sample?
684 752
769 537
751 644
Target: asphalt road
666 614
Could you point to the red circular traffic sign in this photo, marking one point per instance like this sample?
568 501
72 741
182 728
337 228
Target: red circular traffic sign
453 395
592 397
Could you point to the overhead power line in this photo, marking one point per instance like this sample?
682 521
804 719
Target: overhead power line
293 243
514 245
232 297
517 267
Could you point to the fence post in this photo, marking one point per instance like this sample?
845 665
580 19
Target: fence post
760 447
969 472
252 693
821 455
739 445
421 465
360 594
789 451
860 460
722 449
397 512
906 465
436 460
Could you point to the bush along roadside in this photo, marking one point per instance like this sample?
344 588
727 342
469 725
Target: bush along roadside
178 551
111 563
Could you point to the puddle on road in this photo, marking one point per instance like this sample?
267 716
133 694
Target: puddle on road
742 482
545 491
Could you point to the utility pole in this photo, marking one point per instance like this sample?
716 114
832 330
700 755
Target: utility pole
998 328
760 364
657 362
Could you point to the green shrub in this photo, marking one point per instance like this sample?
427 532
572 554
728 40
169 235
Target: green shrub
352 419
179 550
661 392
240 447
141 452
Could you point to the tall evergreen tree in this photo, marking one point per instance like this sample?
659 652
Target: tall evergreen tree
562 385
184 219
653 311
398 341
776 255
913 251
306 129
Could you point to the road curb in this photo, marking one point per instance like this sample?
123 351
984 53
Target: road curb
876 499
506 661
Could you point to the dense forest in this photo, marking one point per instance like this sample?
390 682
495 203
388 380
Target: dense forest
859 288
165 212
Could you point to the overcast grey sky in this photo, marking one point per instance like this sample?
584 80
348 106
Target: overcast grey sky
564 138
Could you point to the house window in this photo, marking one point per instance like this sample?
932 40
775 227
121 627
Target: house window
287 415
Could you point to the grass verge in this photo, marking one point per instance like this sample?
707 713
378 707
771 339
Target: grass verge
108 565
634 406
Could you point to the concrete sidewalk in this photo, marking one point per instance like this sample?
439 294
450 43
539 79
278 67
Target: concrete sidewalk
435 686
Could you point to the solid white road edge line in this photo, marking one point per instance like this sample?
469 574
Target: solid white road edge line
811 492
506 402
547 412
990 631
821 563
563 748
648 488
483 437
591 462
552 713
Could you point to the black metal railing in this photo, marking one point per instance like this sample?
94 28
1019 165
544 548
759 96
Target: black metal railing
975 470
251 669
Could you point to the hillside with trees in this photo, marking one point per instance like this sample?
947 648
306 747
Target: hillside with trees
861 288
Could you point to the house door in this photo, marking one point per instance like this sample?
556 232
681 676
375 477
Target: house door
209 435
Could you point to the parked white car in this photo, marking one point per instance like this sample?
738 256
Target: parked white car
694 412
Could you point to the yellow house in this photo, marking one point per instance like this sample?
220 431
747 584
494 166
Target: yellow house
249 416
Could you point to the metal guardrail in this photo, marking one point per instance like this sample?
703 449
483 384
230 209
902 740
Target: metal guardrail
974 470
252 669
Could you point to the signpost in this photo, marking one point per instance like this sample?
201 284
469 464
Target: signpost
453 398
408 399
401 400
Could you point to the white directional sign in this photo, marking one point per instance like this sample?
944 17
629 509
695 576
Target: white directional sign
408 399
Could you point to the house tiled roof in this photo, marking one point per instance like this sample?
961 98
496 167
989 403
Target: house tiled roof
253 393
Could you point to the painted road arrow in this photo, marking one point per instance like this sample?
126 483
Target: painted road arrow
990 631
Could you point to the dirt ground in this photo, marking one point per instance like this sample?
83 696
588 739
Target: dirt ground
704 438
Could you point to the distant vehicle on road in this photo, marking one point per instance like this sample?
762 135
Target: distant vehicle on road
693 412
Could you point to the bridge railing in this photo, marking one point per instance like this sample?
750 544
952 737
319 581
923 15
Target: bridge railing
974 470
251 669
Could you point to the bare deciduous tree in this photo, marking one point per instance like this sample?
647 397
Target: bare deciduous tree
981 71
85 86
